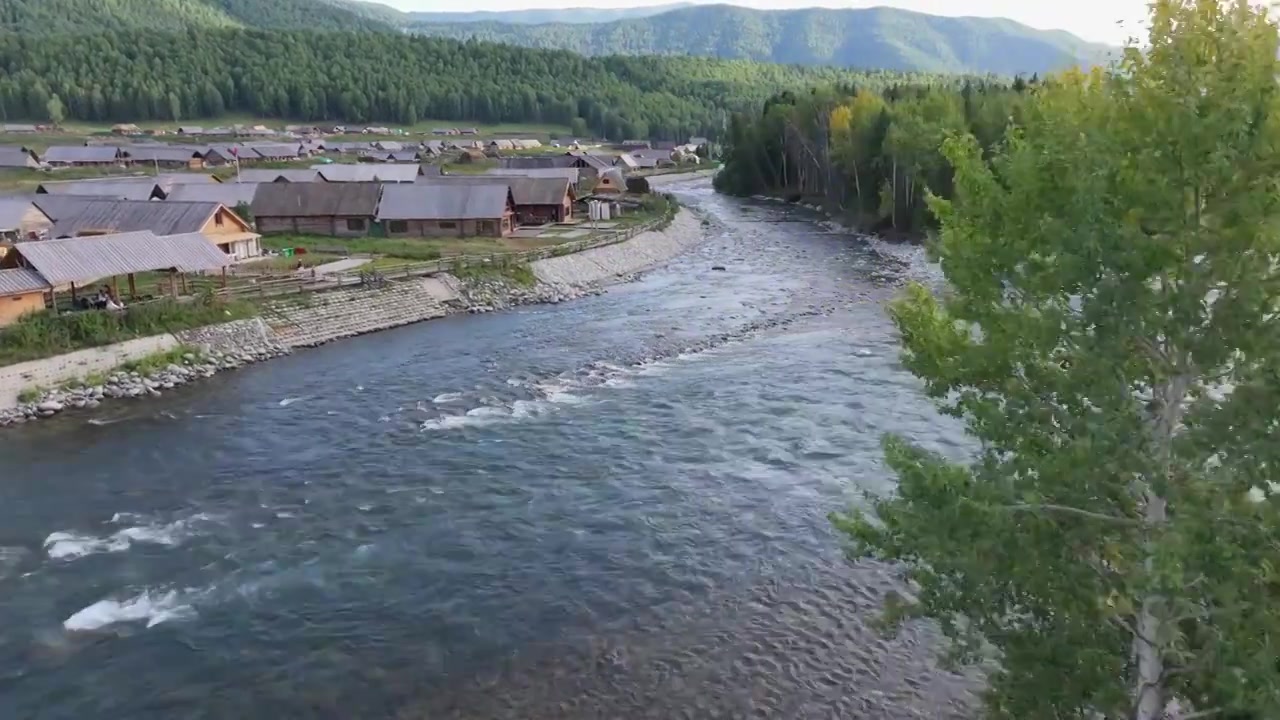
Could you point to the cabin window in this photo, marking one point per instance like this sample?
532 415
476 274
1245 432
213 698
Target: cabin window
355 224
448 225
398 226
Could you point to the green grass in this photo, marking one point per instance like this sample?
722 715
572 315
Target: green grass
516 272
44 334
31 394
401 249
154 363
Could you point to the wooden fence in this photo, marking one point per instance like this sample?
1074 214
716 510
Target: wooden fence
308 283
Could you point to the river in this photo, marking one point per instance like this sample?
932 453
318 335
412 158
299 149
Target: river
615 507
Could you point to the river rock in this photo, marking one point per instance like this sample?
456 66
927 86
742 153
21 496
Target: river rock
49 406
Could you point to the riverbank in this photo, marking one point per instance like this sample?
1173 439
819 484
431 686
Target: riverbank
85 379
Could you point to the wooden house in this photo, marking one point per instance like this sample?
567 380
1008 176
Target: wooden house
537 200
22 292
344 209
81 216
610 182
164 156
65 156
456 210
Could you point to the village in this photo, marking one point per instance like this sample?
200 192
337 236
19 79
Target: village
131 216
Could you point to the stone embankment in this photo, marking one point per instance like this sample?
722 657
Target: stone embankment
310 320
66 382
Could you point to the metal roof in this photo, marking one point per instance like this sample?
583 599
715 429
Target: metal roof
16 157
543 161
525 190
230 194
122 216
261 175
159 153
112 189
81 153
20 281
429 201
272 150
316 199
388 172
570 174
84 259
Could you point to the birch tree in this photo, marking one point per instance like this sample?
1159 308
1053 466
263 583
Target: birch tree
1110 338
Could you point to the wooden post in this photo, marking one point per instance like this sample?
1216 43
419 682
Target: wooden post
115 286
184 284
224 277
73 294
133 289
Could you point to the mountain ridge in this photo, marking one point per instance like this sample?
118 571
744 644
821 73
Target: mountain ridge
878 37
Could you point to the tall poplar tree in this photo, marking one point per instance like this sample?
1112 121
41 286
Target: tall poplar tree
1110 336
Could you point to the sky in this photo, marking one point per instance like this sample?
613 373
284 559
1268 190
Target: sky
1108 21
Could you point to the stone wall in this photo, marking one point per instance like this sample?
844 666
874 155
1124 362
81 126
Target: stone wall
611 262
239 337
315 319
50 372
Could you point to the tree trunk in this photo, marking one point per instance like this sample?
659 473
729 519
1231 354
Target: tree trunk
857 185
1151 694
893 198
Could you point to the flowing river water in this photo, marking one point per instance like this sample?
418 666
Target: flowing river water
612 508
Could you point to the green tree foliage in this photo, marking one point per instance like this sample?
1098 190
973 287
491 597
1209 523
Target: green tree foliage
1110 337
866 38
883 145
44 17
131 75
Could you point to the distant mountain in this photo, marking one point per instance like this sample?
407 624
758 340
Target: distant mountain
884 38
566 16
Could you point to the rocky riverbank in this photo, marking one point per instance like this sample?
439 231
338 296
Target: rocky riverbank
499 293
124 383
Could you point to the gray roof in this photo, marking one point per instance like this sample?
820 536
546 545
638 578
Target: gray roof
274 150
654 154
122 216
78 260
160 153
260 175
430 201
18 281
81 154
316 200
230 194
17 127
16 157
542 161
388 172
141 188
570 174
406 156
525 190
12 211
